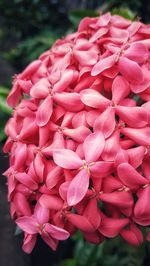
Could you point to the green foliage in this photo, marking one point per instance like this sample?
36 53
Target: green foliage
30 48
30 27
4 107
131 4
5 111
68 262
3 91
2 125
76 15
124 12
25 17
109 253
33 30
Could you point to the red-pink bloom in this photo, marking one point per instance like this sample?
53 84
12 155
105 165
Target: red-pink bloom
79 136
39 223
70 160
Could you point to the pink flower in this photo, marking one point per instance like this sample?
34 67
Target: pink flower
128 60
79 136
39 223
70 160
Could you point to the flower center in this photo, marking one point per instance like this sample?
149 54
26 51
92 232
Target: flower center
40 228
87 166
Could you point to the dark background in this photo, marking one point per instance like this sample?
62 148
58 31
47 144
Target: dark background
27 28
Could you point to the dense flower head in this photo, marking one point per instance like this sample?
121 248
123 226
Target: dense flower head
79 136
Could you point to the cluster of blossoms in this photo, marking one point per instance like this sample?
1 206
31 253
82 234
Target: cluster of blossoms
79 136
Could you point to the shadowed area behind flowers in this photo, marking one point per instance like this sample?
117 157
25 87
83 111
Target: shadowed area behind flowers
10 245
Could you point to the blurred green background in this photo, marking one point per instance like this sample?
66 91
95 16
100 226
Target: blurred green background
27 28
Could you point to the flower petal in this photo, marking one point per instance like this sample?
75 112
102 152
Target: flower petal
50 241
41 213
14 95
65 80
103 64
44 112
94 99
105 122
104 20
98 34
69 100
138 135
136 117
111 184
120 89
40 89
136 156
133 236
94 143
79 119
53 177
121 157
91 116
67 159
29 243
111 227
101 169
130 70
120 34
112 147
26 180
78 188
63 190
87 57
134 27
56 232
21 204
80 222
27 224
137 52
78 134
39 167
130 177
58 143
31 69
51 202
91 212
121 199
20 155
120 22
141 209
29 129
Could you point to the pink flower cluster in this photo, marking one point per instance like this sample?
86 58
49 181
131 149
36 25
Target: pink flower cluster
79 136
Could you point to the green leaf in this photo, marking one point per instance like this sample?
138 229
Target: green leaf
4 91
109 253
68 262
124 12
78 236
4 107
30 48
2 133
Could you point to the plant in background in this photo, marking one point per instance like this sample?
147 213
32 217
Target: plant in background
79 138
5 111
